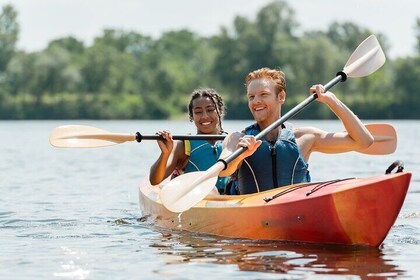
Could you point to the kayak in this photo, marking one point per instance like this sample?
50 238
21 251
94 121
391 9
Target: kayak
353 211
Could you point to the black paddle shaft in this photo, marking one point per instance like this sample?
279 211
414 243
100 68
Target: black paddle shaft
341 77
140 137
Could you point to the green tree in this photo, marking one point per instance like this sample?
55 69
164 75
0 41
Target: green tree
274 21
54 71
347 35
407 83
268 41
71 44
96 69
417 32
110 64
178 62
9 32
124 74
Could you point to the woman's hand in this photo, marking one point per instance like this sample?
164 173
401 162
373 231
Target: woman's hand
167 143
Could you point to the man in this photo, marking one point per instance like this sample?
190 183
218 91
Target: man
281 157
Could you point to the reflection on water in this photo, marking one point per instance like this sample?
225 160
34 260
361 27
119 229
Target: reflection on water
72 214
301 260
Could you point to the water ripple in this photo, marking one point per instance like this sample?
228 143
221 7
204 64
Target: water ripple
410 215
73 213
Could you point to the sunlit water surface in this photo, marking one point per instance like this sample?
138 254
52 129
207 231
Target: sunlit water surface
74 214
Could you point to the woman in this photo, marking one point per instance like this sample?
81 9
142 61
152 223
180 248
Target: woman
206 110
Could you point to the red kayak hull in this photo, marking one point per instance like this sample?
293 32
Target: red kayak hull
350 211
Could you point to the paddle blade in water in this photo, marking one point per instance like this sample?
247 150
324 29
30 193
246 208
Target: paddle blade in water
185 191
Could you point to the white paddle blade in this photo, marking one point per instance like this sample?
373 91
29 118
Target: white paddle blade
185 191
83 136
366 59
188 200
78 142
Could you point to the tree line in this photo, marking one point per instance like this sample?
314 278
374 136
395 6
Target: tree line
128 75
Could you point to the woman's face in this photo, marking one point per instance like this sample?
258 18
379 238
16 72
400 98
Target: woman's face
205 116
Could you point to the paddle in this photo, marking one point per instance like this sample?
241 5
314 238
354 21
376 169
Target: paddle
384 139
186 190
83 136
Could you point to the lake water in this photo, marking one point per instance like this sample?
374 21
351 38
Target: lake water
74 214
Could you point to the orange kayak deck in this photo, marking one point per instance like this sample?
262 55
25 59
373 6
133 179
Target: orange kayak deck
349 211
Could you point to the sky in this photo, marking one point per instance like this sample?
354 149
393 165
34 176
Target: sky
44 20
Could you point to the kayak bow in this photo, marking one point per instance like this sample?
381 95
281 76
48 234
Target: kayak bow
349 211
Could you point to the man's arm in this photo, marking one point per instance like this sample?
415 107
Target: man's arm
354 138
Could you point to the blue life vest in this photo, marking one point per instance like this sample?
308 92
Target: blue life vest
272 165
202 156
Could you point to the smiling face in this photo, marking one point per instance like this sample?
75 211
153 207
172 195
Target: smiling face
205 116
263 102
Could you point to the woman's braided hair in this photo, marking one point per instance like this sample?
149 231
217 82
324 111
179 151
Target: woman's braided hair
214 97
